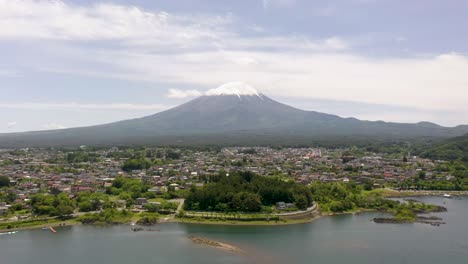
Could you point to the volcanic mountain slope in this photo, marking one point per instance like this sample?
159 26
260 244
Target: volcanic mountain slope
229 116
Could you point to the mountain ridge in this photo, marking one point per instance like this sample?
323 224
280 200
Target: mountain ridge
235 115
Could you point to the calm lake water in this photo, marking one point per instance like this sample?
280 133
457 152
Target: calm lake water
346 238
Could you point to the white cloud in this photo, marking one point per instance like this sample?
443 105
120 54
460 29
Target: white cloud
277 3
437 82
336 43
8 73
134 27
82 106
206 51
177 93
11 124
231 88
58 20
51 126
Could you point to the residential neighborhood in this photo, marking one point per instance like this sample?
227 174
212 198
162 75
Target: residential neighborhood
33 171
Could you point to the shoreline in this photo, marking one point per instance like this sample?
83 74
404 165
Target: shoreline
390 193
179 221
207 222
247 223
281 222
54 225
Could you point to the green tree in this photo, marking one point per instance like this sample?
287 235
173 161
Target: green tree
11 197
151 207
85 206
136 164
64 210
301 202
4 181
173 155
422 175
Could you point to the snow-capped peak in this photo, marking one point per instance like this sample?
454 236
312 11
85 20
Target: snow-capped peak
234 88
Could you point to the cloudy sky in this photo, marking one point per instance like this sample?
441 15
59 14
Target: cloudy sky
77 63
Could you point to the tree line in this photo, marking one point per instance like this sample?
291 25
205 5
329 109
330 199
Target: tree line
246 192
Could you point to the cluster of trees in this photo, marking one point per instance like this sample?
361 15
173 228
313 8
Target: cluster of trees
136 164
129 189
53 205
452 149
174 155
342 197
7 196
249 151
87 201
8 162
165 206
148 220
107 216
4 181
245 192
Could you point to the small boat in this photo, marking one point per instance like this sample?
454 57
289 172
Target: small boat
446 195
9 233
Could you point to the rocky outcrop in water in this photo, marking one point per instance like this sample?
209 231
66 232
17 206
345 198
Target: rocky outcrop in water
431 220
214 244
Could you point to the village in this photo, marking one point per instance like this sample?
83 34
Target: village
34 171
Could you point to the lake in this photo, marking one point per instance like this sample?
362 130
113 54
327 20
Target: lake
338 239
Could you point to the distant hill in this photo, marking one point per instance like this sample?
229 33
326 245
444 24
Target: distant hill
450 149
230 117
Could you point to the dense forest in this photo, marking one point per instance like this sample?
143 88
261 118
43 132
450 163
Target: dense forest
246 192
451 149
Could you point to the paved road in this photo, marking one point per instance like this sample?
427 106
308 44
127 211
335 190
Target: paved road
308 210
181 204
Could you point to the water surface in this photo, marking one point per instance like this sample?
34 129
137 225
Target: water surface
351 239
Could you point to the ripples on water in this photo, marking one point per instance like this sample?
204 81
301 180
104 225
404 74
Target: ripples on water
344 238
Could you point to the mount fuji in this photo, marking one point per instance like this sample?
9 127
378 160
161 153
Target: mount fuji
233 114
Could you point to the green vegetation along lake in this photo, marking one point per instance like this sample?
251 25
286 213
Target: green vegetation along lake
336 239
